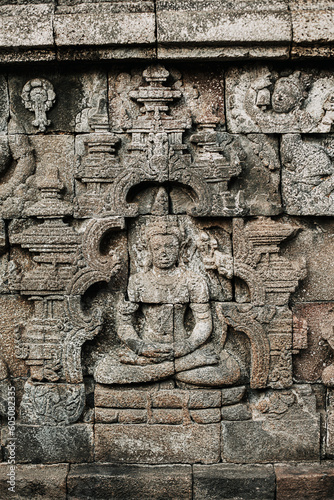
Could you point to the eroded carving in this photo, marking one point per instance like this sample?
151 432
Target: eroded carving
52 404
16 173
328 334
308 175
270 279
66 264
4 387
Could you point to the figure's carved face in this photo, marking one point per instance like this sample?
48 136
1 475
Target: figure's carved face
165 250
286 96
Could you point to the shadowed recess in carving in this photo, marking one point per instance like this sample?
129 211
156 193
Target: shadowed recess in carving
151 198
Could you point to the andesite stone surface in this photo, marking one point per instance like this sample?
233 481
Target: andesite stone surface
226 481
166 249
130 482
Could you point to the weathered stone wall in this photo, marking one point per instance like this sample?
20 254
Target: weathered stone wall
37 30
166 250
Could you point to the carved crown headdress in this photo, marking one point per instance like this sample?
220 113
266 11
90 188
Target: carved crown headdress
167 224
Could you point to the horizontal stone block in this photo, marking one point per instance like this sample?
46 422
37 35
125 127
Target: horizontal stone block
47 444
130 482
26 26
227 481
167 416
167 399
285 427
220 24
105 24
310 51
106 415
105 53
206 416
236 412
221 53
132 416
109 398
312 21
35 481
251 442
309 482
157 443
204 399
233 395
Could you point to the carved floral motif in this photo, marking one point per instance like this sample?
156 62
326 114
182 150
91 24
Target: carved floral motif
38 95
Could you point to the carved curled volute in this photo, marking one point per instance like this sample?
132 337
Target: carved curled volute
243 321
95 231
79 326
121 188
203 201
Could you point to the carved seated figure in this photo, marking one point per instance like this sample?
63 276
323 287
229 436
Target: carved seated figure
163 346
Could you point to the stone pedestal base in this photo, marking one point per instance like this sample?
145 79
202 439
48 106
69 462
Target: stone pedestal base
163 482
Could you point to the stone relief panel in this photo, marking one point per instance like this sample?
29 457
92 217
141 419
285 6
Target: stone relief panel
262 99
162 288
151 259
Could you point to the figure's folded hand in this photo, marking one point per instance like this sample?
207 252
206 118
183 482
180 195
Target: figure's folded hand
161 351
182 348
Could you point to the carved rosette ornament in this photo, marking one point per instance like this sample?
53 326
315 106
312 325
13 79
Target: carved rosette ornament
38 96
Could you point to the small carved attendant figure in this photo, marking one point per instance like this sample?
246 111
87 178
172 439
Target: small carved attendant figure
164 346
288 96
